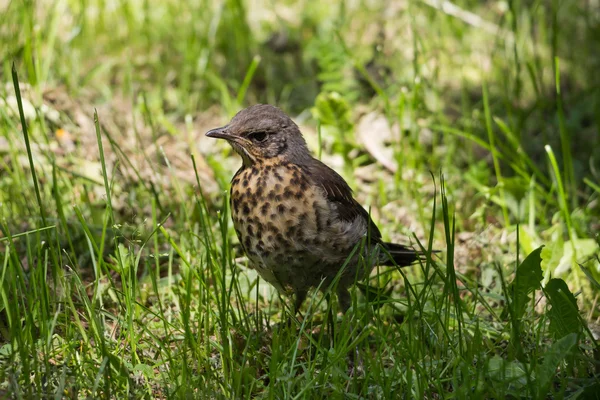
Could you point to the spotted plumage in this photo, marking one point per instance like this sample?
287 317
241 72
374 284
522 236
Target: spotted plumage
295 217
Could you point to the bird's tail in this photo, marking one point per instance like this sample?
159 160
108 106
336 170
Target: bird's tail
400 255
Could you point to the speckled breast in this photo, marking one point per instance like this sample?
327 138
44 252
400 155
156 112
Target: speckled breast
284 224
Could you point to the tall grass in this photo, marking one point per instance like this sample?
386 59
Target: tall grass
120 275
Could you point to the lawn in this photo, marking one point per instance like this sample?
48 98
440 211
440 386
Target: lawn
467 127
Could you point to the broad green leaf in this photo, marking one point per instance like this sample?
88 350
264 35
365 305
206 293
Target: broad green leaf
585 248
564 314
528 278
553 252
145 370
591 392
589 274
552 358
507 372
530 240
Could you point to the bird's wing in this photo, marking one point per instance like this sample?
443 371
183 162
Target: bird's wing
338 192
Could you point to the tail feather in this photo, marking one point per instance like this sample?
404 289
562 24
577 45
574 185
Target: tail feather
400 255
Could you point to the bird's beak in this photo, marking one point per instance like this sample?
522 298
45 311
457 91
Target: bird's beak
219 133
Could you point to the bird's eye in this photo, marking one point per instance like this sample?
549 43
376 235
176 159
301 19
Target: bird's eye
258 136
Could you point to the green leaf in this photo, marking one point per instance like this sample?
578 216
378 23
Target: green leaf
507 372
564 314
332 109
590 276
591 392
528 278
145 370
584 248
553 356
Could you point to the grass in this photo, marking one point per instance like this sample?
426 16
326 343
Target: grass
120 274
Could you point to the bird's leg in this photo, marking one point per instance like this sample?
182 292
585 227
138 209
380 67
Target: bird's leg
330 320
345 300
300 296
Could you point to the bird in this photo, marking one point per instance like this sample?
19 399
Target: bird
296 218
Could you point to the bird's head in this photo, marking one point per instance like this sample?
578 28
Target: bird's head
262 132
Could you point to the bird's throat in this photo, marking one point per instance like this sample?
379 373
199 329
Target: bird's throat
247 158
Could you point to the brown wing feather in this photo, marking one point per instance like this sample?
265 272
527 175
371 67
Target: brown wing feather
338 191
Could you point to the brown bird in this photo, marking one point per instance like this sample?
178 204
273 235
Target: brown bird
295 217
